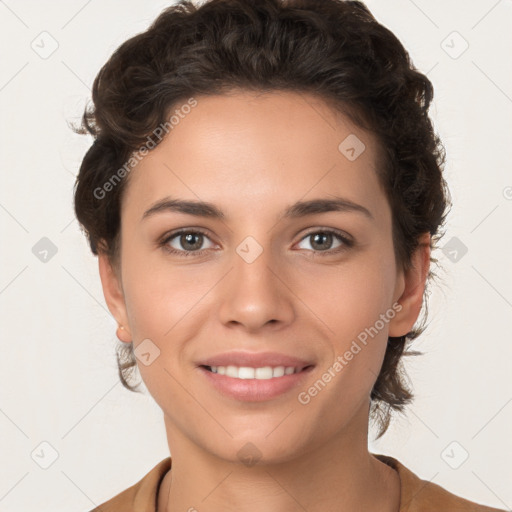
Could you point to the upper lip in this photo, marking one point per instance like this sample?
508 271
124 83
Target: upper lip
254 360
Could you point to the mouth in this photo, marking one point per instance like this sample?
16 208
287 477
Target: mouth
255 384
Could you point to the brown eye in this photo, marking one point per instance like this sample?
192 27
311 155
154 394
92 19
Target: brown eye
191 241
322 241
185 243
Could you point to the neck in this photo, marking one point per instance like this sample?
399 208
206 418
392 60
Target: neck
339 474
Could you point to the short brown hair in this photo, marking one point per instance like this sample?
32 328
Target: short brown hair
333 49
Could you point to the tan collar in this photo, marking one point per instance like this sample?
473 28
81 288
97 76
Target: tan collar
416 494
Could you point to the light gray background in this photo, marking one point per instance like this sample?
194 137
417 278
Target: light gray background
60 393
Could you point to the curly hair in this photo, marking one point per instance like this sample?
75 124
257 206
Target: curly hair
333 49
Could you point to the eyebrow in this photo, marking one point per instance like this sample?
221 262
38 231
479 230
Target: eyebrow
296 210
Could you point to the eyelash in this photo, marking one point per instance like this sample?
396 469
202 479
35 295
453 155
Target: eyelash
347 243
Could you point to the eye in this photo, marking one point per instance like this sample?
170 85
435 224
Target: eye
322 241
190 242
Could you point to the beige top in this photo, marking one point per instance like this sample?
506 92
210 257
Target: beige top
416 495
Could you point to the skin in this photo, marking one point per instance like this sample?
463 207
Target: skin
252 155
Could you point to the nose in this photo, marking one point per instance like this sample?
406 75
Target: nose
256 294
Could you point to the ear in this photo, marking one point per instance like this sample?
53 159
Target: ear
114 296
410 289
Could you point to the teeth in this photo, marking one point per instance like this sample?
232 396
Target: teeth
246 372
278 371
243 372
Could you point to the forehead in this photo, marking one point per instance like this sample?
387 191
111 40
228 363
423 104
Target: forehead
249 150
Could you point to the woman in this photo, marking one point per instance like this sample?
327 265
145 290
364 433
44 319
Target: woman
263 194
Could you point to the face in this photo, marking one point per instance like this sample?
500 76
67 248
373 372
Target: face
314 287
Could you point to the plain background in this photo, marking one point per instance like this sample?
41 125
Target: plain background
61 402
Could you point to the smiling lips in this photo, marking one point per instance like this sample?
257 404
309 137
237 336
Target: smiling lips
247 365
254 376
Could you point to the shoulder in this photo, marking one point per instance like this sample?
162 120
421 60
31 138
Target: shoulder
418 495
142 495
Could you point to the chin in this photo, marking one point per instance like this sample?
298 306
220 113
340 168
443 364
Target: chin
264 446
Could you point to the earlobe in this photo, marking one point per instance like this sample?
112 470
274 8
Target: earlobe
414 282
123 335
114 297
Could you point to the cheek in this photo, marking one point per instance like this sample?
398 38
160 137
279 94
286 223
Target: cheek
355 302
157 294
350 298
163 305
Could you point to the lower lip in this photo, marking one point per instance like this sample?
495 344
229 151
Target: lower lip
255 390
